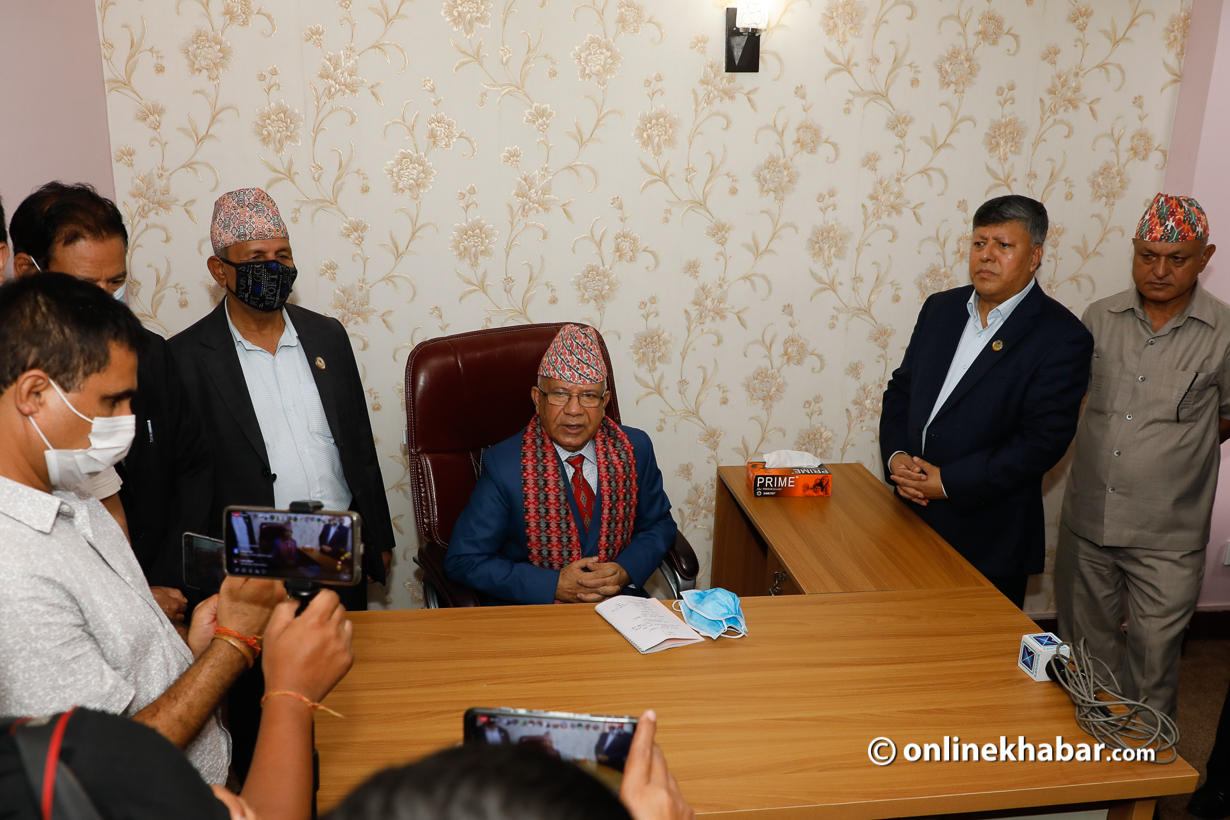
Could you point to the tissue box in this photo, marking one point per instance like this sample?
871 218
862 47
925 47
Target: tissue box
1036 652
788 482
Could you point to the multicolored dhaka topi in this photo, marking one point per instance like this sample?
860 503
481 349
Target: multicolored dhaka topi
575 356
550 532
243 216
1173 219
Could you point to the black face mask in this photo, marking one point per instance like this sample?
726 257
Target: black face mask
264 285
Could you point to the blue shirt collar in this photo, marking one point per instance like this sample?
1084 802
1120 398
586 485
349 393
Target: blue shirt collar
1001 312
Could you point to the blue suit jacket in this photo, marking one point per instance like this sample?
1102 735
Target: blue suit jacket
488 550
1009 420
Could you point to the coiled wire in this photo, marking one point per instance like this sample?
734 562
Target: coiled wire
1104 713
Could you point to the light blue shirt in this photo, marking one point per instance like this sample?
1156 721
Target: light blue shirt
298 441
973 339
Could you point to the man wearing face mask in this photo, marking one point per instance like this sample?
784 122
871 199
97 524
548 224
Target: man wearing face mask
161 489
78 624
278 388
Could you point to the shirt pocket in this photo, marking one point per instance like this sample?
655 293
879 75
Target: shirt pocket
1103 384
318 423
314 409
1190 393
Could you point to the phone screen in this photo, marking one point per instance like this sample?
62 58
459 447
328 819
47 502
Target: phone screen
203 563
597 743
324 547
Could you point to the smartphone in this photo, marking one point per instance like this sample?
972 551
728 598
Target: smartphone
597 743
324 547
203 563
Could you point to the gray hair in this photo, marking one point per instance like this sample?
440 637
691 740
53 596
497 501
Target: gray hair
1015 208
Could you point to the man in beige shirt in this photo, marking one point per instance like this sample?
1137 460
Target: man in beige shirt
1140 496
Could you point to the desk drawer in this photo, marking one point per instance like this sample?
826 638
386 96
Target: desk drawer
777 578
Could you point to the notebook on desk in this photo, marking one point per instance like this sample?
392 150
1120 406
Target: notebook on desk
647 623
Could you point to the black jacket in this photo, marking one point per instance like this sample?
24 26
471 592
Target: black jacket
1009 420
168 473
215 383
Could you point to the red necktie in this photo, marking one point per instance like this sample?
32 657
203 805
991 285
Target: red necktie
581 490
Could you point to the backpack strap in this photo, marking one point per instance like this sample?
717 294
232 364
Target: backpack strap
59 793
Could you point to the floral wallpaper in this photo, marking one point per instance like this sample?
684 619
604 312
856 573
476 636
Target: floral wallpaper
754 247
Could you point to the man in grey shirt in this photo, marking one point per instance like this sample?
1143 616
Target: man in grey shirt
1139 500
78 624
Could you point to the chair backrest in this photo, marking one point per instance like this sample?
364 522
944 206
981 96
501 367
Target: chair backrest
465 393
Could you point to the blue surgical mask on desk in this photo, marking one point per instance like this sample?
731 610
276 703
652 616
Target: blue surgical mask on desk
713 612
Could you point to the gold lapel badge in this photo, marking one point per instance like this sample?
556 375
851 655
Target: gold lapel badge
996 345
320 363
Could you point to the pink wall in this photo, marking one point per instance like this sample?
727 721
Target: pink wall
55 116
1200 166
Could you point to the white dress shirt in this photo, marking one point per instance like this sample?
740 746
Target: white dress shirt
298 441
589 470
78 625
589 467
973 339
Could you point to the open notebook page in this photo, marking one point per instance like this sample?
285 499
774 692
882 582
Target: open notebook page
647 623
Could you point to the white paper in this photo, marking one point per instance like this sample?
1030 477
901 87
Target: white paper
646 623
790 458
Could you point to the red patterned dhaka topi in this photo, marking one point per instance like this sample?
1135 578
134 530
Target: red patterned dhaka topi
1173 219
575 356
243 216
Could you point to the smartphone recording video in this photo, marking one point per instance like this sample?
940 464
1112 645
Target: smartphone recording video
597 743
203 570
323 547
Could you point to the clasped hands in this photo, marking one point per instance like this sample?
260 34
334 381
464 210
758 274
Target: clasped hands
590 581
917 479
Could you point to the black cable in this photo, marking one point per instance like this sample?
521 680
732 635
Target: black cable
1136 728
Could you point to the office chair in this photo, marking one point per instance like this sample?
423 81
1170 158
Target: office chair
465 393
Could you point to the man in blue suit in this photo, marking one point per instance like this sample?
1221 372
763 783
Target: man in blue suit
987 398
571 509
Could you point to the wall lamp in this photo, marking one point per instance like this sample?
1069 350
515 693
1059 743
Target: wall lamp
744 22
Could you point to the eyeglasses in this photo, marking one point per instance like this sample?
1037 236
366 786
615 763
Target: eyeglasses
561 398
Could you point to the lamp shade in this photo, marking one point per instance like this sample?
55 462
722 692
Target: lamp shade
752 14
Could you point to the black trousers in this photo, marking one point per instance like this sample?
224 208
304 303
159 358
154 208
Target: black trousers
1011 587
1219 760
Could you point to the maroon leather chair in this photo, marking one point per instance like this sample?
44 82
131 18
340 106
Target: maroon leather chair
465 393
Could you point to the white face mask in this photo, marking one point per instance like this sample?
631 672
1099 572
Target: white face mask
119 292
110 440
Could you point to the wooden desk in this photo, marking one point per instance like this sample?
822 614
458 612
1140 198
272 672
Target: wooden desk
774 725
859 539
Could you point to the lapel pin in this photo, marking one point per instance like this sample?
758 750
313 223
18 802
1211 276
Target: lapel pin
996 345
320 362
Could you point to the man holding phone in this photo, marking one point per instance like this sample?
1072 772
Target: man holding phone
80 624
161 489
